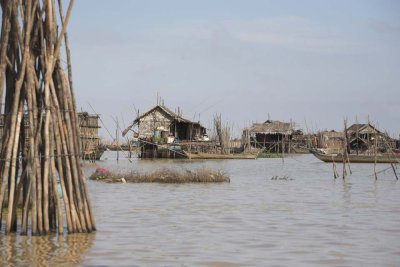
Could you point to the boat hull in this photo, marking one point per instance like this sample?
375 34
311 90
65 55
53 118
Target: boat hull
219 156
386 158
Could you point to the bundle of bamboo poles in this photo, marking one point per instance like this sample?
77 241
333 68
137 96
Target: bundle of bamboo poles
38 158
223 134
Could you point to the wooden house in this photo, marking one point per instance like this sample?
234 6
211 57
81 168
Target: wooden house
270 136
363 138
91 146
358 138
159 123
162 132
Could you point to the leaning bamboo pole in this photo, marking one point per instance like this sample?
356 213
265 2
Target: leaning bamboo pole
34 87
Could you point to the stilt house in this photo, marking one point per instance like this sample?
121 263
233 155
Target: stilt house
164 133
89 135
271 136
365 137
162 125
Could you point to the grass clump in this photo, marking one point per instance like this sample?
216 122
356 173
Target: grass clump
162 176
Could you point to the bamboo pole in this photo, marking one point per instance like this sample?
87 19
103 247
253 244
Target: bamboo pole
5 32
7 145
37 91
12 179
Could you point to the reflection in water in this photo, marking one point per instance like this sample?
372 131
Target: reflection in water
347 192
52 250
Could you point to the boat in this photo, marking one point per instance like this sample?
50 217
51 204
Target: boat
219 156
361 158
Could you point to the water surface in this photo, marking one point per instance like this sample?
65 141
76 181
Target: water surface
310 219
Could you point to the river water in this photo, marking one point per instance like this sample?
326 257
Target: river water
308 219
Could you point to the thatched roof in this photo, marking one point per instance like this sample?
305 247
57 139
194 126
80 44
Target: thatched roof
272 127
169 113
362 128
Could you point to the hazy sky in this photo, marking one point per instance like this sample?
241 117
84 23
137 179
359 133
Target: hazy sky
313 62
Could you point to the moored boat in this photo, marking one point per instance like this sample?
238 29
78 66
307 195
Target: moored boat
361 158
219 156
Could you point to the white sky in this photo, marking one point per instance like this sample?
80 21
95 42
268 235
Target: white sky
313 62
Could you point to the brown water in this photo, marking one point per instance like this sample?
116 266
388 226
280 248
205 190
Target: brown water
312 220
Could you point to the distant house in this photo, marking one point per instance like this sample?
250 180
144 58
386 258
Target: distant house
361 138
163 125
271 136
88 126
364 137
164 133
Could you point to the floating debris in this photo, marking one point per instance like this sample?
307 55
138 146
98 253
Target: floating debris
283 178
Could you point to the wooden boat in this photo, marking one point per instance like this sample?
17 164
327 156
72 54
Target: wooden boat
380 158
219 156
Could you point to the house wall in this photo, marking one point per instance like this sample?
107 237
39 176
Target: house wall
187 131
199 132
181 130
89 132
148 124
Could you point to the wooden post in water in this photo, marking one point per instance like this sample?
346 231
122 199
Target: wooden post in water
375 156
345 150
117 137
33 85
